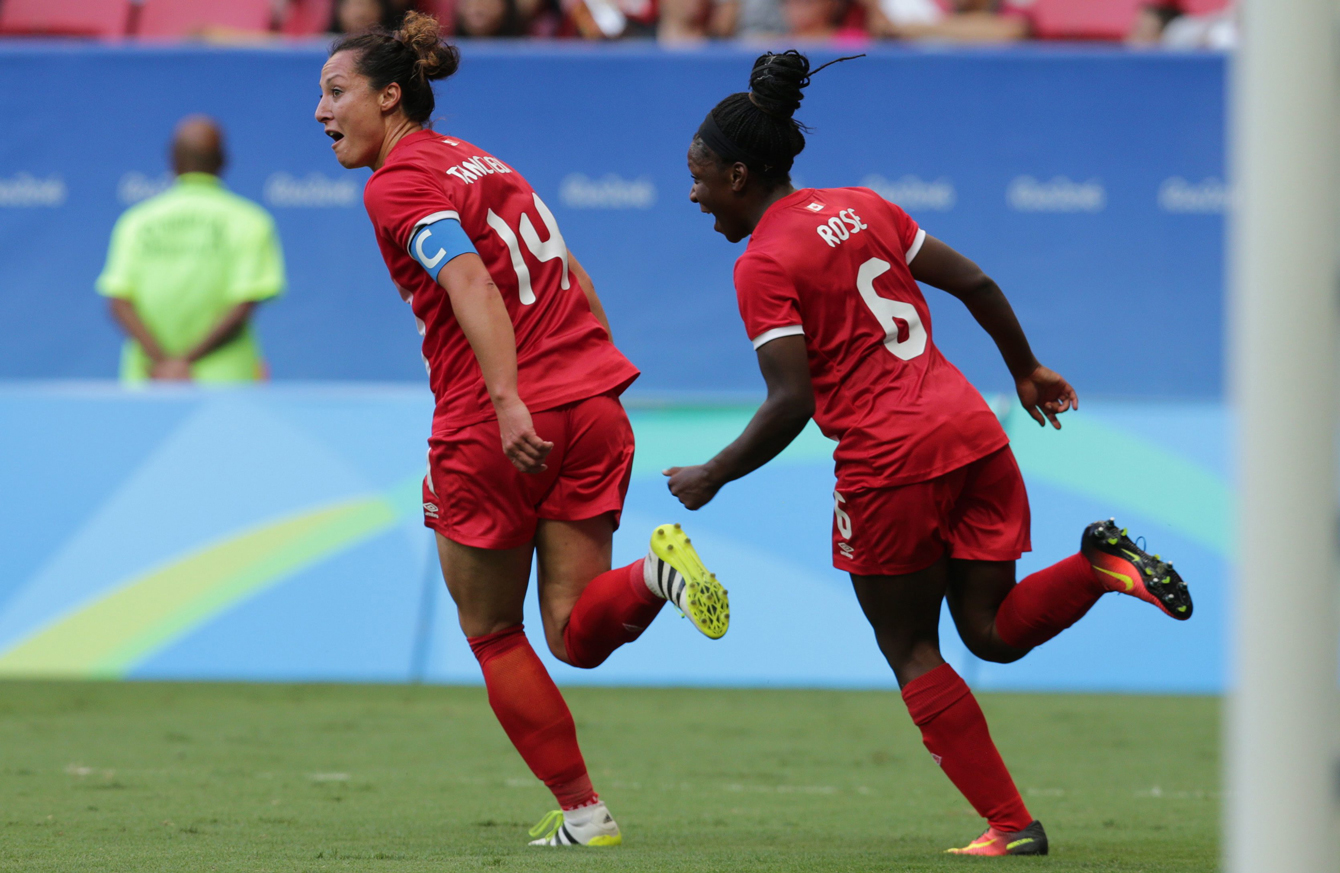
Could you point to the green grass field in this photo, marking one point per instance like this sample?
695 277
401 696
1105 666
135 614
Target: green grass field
202 777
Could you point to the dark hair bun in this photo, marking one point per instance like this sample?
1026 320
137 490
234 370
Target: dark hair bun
411 57
422 35
777 80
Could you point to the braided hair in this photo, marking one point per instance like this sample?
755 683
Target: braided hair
412 57
755 128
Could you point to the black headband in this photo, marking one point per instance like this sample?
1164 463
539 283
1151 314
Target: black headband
715 139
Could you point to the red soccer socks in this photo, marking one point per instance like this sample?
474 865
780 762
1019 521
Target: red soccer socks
614 609
534 714
1048 602
955 733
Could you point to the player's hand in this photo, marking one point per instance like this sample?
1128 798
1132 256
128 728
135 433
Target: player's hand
1045 393
694 486
522 446
171 370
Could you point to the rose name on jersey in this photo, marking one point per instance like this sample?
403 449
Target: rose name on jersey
477 168
840 227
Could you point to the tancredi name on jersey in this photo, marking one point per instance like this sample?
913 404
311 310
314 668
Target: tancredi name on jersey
478 167
840 228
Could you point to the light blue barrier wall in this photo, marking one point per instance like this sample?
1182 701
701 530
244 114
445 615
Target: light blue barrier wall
275 534
1089 183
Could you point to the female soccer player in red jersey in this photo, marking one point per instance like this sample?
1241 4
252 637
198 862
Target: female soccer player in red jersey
531 451
929 502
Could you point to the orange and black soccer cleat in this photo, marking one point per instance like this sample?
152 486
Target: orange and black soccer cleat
1032 840
1121 565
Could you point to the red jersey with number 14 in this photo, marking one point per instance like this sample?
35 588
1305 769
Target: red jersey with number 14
563 354
832 264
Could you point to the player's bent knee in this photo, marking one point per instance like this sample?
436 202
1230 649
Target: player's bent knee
587 663
994 651
573 655
560 651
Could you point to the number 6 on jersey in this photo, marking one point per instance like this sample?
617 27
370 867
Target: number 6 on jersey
890 312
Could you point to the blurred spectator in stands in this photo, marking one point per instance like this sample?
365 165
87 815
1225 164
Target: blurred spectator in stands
540 17
187 269
1150 19
487 18
683 21
351 16
747 19
1166 23
613 19
819 20
969 20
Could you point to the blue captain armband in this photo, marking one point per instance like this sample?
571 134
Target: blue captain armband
438 239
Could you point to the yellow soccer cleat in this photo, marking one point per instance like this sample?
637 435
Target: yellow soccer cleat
587 826
674 571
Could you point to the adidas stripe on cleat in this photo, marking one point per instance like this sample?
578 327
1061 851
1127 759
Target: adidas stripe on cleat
586 826
1121 565
1032 840
674 571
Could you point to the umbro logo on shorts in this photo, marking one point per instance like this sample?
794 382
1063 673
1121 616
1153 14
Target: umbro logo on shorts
846 549
430 510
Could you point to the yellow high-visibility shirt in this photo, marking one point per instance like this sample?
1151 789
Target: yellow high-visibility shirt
185 258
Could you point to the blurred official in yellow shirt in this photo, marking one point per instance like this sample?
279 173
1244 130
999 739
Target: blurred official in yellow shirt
187 268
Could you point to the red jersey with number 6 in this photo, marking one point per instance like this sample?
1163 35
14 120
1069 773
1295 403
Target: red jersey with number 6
563 354
832 265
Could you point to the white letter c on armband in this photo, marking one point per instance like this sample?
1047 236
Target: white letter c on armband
428 263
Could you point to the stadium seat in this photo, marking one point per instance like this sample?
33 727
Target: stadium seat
178 18
1084 19
307 17
65 17
1204 7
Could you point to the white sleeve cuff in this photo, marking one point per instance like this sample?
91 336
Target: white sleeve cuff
916 245
427 220
776 333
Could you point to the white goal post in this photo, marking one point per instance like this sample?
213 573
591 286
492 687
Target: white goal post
1282 745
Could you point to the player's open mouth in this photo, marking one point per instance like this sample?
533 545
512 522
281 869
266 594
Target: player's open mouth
335 135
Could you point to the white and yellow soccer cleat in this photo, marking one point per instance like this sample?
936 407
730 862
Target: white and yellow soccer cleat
674 571
586 826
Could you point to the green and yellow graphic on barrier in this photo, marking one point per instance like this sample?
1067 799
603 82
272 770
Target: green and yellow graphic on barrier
110 628
110 635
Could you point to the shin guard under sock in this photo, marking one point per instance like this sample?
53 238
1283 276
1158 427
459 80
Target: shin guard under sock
955 733
533 713
614 609
1048 602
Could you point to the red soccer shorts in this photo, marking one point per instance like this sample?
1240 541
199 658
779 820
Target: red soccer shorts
978 512
474 496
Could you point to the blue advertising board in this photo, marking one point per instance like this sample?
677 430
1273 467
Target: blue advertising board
1089 183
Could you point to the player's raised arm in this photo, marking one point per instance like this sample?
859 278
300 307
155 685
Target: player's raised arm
483 318
785 367
1042 392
